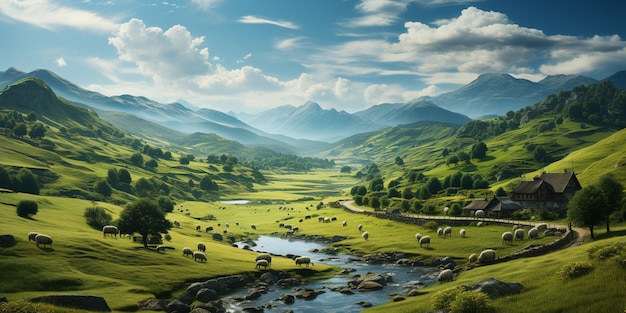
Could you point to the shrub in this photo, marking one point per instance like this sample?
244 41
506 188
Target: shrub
607 251
441 300
471 302
97 217
431 225
575 269
26 208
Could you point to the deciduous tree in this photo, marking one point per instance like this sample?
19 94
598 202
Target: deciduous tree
144 217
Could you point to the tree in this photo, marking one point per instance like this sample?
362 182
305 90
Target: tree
500 192
152 164
467 182
453 159
183 160
20 130
434 185
539 154
586 207
37 131
5 178
345 169
207 184
144 187
399 161
613 192
144 217
102 187
26 182
25 208
165 203
464 156
377 184
407 193
112 177
97 217
479 150
123 176
137 159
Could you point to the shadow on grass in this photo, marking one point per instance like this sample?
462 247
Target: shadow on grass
47 249
609 234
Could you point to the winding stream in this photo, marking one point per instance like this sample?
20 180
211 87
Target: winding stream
405 278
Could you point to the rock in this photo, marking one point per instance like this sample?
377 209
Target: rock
365 304
377 278
337 238
254 294
3 299
153 305
496 288
81 302
7 240
347 271
218 306
369 285
288 299
444 262
289 282
346 291
398 299
252 309
308 294
413 293
177 306
205 295
199 310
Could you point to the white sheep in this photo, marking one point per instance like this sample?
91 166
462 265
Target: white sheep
42 239
507 236
365 235
187 251
261 263
519 234
176 224
445 210
533 233
462 232
439 232
111 230
201 247
479 214
198 255
425 241
418 236
266 257
32 235
304 260
480 224
488 255
541 227
473 258
344 223
360 227
447 231
445 276
198 228
160 248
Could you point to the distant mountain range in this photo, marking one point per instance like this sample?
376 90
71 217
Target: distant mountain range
291 128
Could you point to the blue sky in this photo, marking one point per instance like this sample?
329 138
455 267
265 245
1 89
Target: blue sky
235 55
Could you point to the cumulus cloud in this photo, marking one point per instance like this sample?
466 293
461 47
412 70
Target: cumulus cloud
163 55
47 15
61 62
251 19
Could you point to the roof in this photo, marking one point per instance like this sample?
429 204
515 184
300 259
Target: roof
478 204
556 182
506 204
497 203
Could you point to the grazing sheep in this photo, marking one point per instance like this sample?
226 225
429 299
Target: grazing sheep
533 233
300 220
198 228
365 235
445 276
541 227
160 249
201 247
304 260
307 217
418 236
344 223
199 256
32 235
261 263
479 214
333 219
480 224
187 251
176 224
326 220
320 219
473 258
288 226
266 257
217 236
425 240
227 224
42 239
507 236
295 229
447 231
462 233
208 229
439 231
519 234
488 255
253 226
111 230
225 231
445 210
360 227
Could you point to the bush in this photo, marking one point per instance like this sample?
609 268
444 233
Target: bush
26 208
97 217
441 300
471 302
575 269
431 225
607 251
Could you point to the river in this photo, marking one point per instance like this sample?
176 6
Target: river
405 278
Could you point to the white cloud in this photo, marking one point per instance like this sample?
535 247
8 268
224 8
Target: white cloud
288 43
47 15
250 19
378 12
163 55
61 62
206 5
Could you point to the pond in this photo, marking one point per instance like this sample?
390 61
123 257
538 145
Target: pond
405 278
236 201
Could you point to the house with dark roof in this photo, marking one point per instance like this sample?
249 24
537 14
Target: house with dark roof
550 191
496 206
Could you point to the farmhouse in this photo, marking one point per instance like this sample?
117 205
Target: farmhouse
496 206
550 191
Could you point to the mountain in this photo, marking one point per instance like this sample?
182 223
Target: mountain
618 79
391 114
310 121
499 93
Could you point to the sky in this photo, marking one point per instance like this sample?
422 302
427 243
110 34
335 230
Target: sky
253 55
